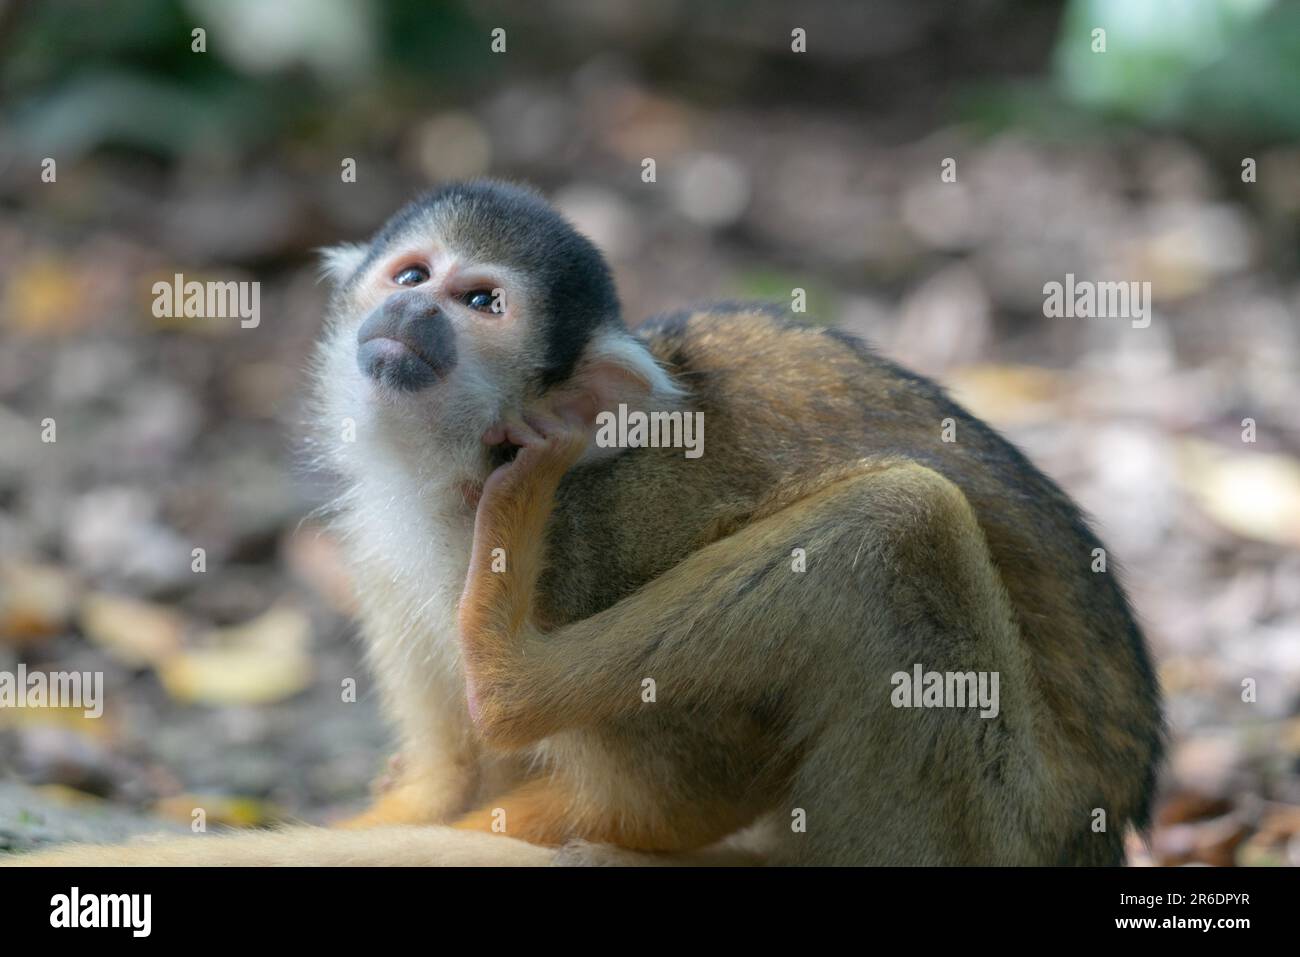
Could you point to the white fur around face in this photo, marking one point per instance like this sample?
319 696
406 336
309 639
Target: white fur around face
403 515
403 503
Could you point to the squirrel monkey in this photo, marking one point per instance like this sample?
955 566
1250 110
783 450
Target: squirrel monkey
645 650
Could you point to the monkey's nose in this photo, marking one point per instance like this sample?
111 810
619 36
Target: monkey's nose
406 344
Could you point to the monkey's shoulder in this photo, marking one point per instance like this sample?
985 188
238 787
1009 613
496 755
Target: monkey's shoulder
750 362
791 401
762 345
738 334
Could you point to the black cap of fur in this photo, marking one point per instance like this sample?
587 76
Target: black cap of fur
511 225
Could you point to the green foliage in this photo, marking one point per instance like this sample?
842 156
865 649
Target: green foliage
79 76
776 288
1221 69
1230 66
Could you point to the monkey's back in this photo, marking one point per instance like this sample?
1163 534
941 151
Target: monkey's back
785 403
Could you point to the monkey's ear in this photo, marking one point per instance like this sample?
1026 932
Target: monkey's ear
338 263
617 368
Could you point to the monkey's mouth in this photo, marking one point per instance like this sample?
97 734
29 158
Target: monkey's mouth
406 352
396 364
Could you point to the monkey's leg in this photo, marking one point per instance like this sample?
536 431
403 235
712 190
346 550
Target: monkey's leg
727 622
540 812
547 812
404 803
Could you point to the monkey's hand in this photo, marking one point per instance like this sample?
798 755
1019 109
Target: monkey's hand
549 444
507 555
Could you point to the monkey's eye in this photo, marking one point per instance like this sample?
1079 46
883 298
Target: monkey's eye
482 300
411 276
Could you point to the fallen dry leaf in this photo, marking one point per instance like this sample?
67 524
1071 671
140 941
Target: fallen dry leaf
1254 494
219 809
1212 842
46 298
136 633
1007 394
36 601
1184 806
261 661
70 719
1280 822
69 796
1277 840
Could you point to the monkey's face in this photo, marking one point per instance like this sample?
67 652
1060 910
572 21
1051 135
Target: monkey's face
409 341
430 346
432 321
471 305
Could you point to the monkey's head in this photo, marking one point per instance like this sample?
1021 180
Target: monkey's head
472 304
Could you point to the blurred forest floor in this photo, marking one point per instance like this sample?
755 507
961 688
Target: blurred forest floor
225 688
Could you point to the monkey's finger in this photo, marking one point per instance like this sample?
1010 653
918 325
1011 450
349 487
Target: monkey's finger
523 435
547 426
